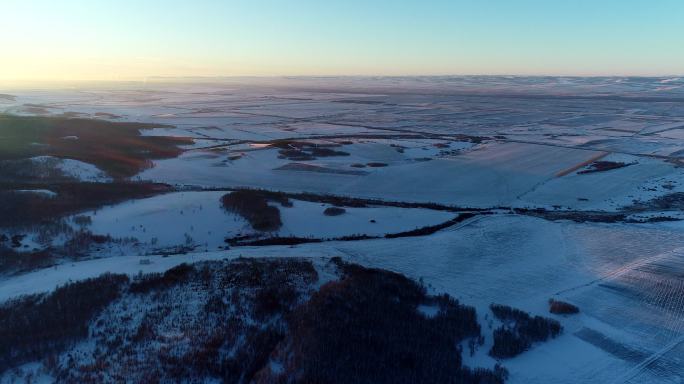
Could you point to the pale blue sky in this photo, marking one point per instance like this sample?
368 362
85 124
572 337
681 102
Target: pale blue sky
130 39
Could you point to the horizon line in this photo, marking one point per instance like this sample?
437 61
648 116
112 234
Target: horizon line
142 79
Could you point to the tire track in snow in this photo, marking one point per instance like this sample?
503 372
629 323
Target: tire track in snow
637 369
664 297
623 270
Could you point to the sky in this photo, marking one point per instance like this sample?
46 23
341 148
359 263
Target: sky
48 40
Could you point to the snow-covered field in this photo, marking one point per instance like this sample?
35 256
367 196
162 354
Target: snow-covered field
306 219
173 219
486 176
644 179
488 143
197 220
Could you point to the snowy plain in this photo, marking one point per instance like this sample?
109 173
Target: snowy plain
467 142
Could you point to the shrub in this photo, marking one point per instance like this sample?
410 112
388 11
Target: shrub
81 241
561 307
334 211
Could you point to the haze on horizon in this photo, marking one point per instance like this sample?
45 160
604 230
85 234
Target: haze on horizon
75 40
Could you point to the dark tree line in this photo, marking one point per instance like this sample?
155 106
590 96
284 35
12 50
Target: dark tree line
430 229
12 260
520 331
353 202
33 327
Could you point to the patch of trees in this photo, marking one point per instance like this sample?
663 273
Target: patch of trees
12 261
562 308
83 240
118 148
36 326
23 170
275 283
576 216
659 219
295 155
671 201
305 151
602 166
284 143
519 331
32 208
245 272
264 290
253 206
16 240
238 240
365 328
326 152
231 335
155 281
355 237
238 320
83 220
